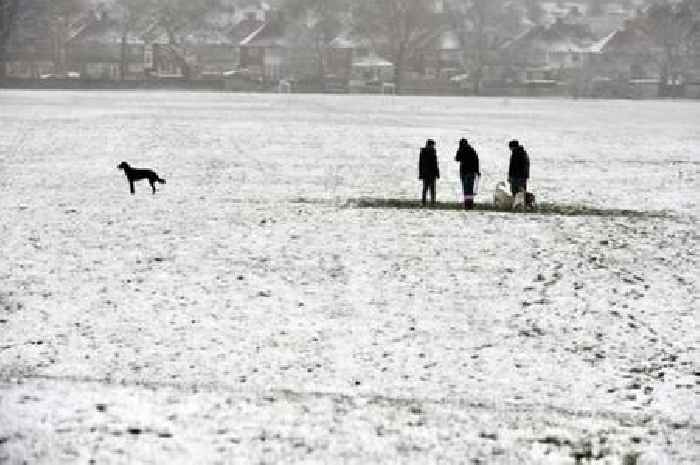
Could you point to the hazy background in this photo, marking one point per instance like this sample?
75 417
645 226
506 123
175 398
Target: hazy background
631 48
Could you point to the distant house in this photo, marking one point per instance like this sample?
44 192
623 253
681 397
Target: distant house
244 28
29 57
692 83
632 57
207 51
210 53
438 57
212 50
37 47
369 71
285 50
549 54
263 52
103 50
627 53
370 68
339 58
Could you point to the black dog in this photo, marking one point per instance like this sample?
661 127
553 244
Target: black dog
529 200
136 174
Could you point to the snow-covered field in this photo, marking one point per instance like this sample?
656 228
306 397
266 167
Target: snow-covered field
250 313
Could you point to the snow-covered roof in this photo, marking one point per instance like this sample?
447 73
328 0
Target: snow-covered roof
449 40
558 37
277 34
372 61
342 42
104 31
349 41
209 37
600 45
254 37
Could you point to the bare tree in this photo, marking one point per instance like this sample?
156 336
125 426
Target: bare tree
61 16
675 29
51 20
596 8
398 27
479 24
133 16
8 16
535 12
324 21
178 18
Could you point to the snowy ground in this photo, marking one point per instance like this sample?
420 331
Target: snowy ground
250 313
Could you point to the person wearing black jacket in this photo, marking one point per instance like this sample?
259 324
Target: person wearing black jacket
519 169
428 170
468 171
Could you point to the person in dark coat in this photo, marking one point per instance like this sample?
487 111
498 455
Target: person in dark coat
519 169
468 171
428 170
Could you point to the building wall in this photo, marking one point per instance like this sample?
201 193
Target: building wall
30 60
104 61
300 64
164 63
433 64
564 59
215 59
101 70
275 66
623 65
28 69
252 57
339 63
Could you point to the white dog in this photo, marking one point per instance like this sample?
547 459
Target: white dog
519 201
501 198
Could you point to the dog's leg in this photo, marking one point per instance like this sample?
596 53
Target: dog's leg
131 187
153 185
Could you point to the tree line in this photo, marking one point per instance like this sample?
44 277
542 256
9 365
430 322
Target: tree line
393 28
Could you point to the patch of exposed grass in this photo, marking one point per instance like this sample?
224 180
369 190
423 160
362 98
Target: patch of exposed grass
540 209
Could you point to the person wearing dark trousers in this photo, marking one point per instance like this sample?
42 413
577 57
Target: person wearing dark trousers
468 171
428 170
519 169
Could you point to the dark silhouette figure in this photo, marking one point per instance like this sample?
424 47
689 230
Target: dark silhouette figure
519 169
468 171
428 170
136 174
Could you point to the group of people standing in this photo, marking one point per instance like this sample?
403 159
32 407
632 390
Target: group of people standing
469 172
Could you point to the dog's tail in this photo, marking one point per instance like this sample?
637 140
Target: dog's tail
160 180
